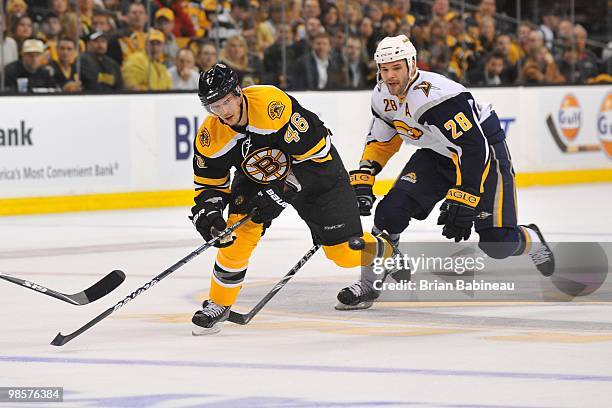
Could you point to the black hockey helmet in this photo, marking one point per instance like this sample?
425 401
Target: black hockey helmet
217 82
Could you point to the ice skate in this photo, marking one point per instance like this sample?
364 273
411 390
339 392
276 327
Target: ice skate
209 319
541 254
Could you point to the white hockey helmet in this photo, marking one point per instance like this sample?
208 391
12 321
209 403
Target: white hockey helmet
397 48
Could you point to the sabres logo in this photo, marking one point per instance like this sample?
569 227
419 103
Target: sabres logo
410 177
204 137
424 86
266 165
275 110
406 130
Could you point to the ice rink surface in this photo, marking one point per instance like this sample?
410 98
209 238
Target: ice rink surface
299 351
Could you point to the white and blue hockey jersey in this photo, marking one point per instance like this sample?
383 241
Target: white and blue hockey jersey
438 114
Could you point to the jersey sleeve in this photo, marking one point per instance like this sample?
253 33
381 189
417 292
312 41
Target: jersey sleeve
382 141
456 120
305 137
211 178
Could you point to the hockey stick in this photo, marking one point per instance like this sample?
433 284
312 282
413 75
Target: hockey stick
240 318
564 147
61 339
99 289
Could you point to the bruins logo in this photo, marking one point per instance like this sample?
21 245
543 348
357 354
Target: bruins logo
275 110
266 165
200 161
204 137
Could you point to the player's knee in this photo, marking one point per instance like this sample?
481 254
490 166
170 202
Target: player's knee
498 243
342 255
394 211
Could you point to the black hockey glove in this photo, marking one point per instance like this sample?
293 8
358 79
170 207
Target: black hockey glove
362 181
270 201
208 220
458 212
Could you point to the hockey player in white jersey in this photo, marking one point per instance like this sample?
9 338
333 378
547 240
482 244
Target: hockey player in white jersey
462 159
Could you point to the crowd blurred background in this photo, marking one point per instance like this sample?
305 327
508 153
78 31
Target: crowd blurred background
111 45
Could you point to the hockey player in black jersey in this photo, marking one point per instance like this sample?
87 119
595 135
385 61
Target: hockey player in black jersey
282 155
462 159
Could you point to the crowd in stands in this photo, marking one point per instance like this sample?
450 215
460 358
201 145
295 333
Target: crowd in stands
108 45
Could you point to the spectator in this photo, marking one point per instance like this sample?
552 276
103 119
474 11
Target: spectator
50 29
86 14
60 7
338 40
331 17
133 38
441 10
566 30
521 48
14 10
115 10
368 36
549 26
570 66
28 74
64 68
187 17
389 26
313 28
502 46
99 72
273 57
540 68
586 57
143 71
316 70
489 73
356 64
375 12
312 9
8 46
353 16
184 74
207 56
401 9
486 8
247 67
22 29
164 22
487 33
265 31
102 21
231 24
440 61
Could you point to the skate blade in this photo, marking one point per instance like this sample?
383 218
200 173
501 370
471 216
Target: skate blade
206 331
358 306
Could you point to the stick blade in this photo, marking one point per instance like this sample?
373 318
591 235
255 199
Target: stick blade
104 286
59 340
238 318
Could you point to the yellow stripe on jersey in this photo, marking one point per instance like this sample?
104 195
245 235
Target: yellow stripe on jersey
312 151
381 152
455 159
216 182
269 108
485 173
214 138
222 190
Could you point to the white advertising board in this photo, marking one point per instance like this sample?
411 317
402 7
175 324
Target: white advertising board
61 146
66 145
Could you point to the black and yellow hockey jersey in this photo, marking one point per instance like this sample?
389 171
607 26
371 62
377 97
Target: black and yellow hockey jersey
279 134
